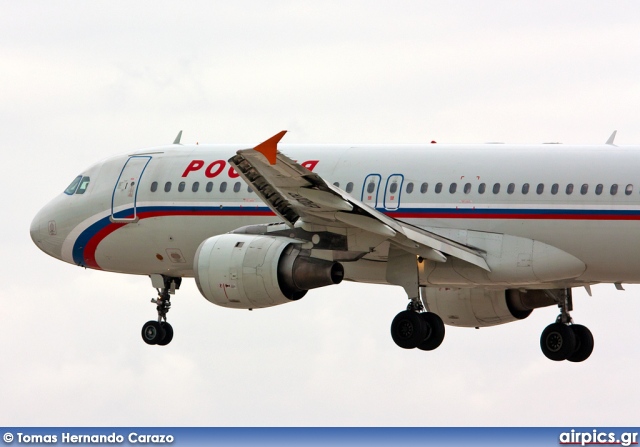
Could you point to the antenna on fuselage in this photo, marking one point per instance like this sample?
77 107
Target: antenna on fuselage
610 140
177 140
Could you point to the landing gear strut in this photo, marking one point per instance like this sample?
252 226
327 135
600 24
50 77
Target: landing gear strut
160 332
416 328
564 340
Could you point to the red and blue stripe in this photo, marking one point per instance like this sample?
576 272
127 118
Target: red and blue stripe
85 246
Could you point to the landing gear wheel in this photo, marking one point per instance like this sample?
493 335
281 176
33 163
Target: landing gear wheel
558 342
168 334
408 329
152 333
159 332
584 343
435 331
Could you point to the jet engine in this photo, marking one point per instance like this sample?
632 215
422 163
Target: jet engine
485 307
249 271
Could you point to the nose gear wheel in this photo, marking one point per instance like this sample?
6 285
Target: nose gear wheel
160 332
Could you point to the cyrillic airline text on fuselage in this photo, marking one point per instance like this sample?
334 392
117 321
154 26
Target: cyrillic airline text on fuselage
215 168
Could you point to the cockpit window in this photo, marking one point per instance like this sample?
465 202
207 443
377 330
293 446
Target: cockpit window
84 183
71 189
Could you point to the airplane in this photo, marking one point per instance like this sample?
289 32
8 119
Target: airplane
476 235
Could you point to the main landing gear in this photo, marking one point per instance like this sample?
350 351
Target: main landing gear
564 340
160 332
416 328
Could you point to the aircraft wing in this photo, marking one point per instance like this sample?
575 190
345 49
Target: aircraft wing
299 196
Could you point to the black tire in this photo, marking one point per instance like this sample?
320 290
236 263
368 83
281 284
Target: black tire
435 331
408 329
558 342
168 334
152 332
584 343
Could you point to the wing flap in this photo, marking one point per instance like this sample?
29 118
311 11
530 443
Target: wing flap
294 193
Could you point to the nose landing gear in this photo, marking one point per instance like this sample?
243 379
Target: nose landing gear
160 332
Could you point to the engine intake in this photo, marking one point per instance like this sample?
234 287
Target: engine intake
249 271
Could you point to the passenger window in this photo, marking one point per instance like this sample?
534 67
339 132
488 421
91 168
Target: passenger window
209 187
181 186
496 188
525 188
154 186
438 188
467 188
424 187
628 190
584 189
599 188
453 187
510 188
393 188
237 186
195 186
83 185
409 188
371 187
569 189
540 188
167 187
249 189
349 187
71 189
554 189
223 187
482 187
614 189
337 184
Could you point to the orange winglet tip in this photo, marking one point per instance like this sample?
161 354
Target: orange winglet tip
269 147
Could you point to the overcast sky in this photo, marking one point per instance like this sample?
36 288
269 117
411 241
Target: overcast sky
80 81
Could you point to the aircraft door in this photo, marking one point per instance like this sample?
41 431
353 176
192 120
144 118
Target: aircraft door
125 191
392 192
370 190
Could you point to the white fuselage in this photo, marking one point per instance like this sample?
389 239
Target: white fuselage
583 200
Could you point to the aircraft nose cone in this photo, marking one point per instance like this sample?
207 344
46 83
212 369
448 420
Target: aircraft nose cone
44 233
34 230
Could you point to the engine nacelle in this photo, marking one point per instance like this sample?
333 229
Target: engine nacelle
485 307
249 271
